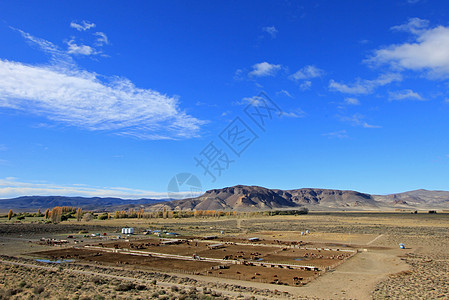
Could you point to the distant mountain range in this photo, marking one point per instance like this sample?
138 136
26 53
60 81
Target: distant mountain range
33 203
249 198
246 198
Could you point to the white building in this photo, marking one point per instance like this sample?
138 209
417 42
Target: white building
129 230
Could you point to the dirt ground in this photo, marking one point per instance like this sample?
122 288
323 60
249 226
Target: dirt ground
380 270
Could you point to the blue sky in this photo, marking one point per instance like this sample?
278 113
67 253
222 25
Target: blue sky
111 99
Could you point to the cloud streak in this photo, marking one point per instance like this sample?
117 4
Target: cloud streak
82 26
307 72
364 86
271 30
405 95
81 99
358 120
63 93
11 187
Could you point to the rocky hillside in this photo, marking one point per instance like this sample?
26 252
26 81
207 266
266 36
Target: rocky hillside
248 198
418 198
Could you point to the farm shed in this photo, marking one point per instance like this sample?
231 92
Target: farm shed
127 230
215 246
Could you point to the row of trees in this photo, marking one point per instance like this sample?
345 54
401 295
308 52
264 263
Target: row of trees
55 215
168 214
62 213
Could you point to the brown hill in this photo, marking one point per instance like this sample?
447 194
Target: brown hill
250 198
417 199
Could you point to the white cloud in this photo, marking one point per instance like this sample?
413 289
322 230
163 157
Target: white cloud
11 187
58 57
405 95
414 25
76 49
102 38
254 101
264 69
429 52
306 85
284 92
271 30
79 98
358 120
82 26
365 86
64 94
298 113
307 72
352 101
341 134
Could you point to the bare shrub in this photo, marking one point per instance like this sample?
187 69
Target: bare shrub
38 289
124 287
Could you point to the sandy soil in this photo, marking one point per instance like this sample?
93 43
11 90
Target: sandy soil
421 271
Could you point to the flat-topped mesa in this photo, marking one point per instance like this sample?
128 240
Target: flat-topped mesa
251 198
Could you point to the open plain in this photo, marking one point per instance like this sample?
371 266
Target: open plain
344 255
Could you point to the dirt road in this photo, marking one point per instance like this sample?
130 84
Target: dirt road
356 278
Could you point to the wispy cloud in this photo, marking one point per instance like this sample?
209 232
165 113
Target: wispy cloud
405 95
57 56
271 30
306 85
284 92
429 51
414 25
3 148
254 101
82 26
79 98
102 38
307 72
297 113
358 120
264 69
341 134
363 86
11 187
352 101
73 48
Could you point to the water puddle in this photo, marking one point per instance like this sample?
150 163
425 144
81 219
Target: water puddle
59 261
